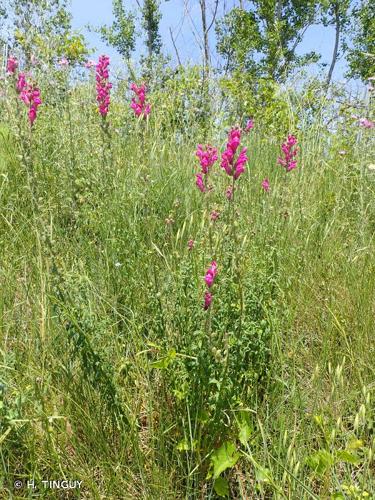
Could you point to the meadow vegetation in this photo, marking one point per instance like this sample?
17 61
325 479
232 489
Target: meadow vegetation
168 336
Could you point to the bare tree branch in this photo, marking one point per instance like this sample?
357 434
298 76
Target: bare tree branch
175 47
214 16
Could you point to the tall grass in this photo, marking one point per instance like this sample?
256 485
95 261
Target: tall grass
109 372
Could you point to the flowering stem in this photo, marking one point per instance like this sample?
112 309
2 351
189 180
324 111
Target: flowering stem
107 155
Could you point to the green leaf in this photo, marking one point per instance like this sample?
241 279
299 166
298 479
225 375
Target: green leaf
221 487
263 475
321 461
346 456
245 431
183 445
165 361
224 458
355 444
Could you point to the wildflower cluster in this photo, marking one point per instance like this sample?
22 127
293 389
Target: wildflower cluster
366 123
30 95
288 161
12 65
209 279
103 86
233 167
89 64
138 104
249 125
63 62
207 156
266 185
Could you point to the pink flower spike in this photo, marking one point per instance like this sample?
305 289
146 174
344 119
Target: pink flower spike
365 123
191 244
207 156
239 166
63 62
211 274
138 104
32 115
229 193
249 125
207 300
89 64
266 185
103 86
214 215
12 65
21 83
30 95
228 163
200 184
290 150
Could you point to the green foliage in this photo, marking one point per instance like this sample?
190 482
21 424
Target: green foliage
221 487
43 29
121 34
150 22
361 56
224 458
263 40
264 101
181 100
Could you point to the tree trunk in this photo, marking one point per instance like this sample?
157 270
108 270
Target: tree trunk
205 36
336 47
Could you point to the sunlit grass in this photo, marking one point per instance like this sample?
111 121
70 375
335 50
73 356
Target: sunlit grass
102 321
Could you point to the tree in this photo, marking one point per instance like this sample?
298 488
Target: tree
361 57
150 21
335 13
43 28
121 34
263 40
205 35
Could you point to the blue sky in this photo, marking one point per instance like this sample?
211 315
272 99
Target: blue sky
183 17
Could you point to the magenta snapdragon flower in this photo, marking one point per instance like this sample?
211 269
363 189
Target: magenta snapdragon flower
21 82
200 183
229 193
366 123
207 156
12 65
289 148
209 279
207 300
89 64
211 274
63 62
103 86
233 167
266 185
214 215
138 104
249 125
30 95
